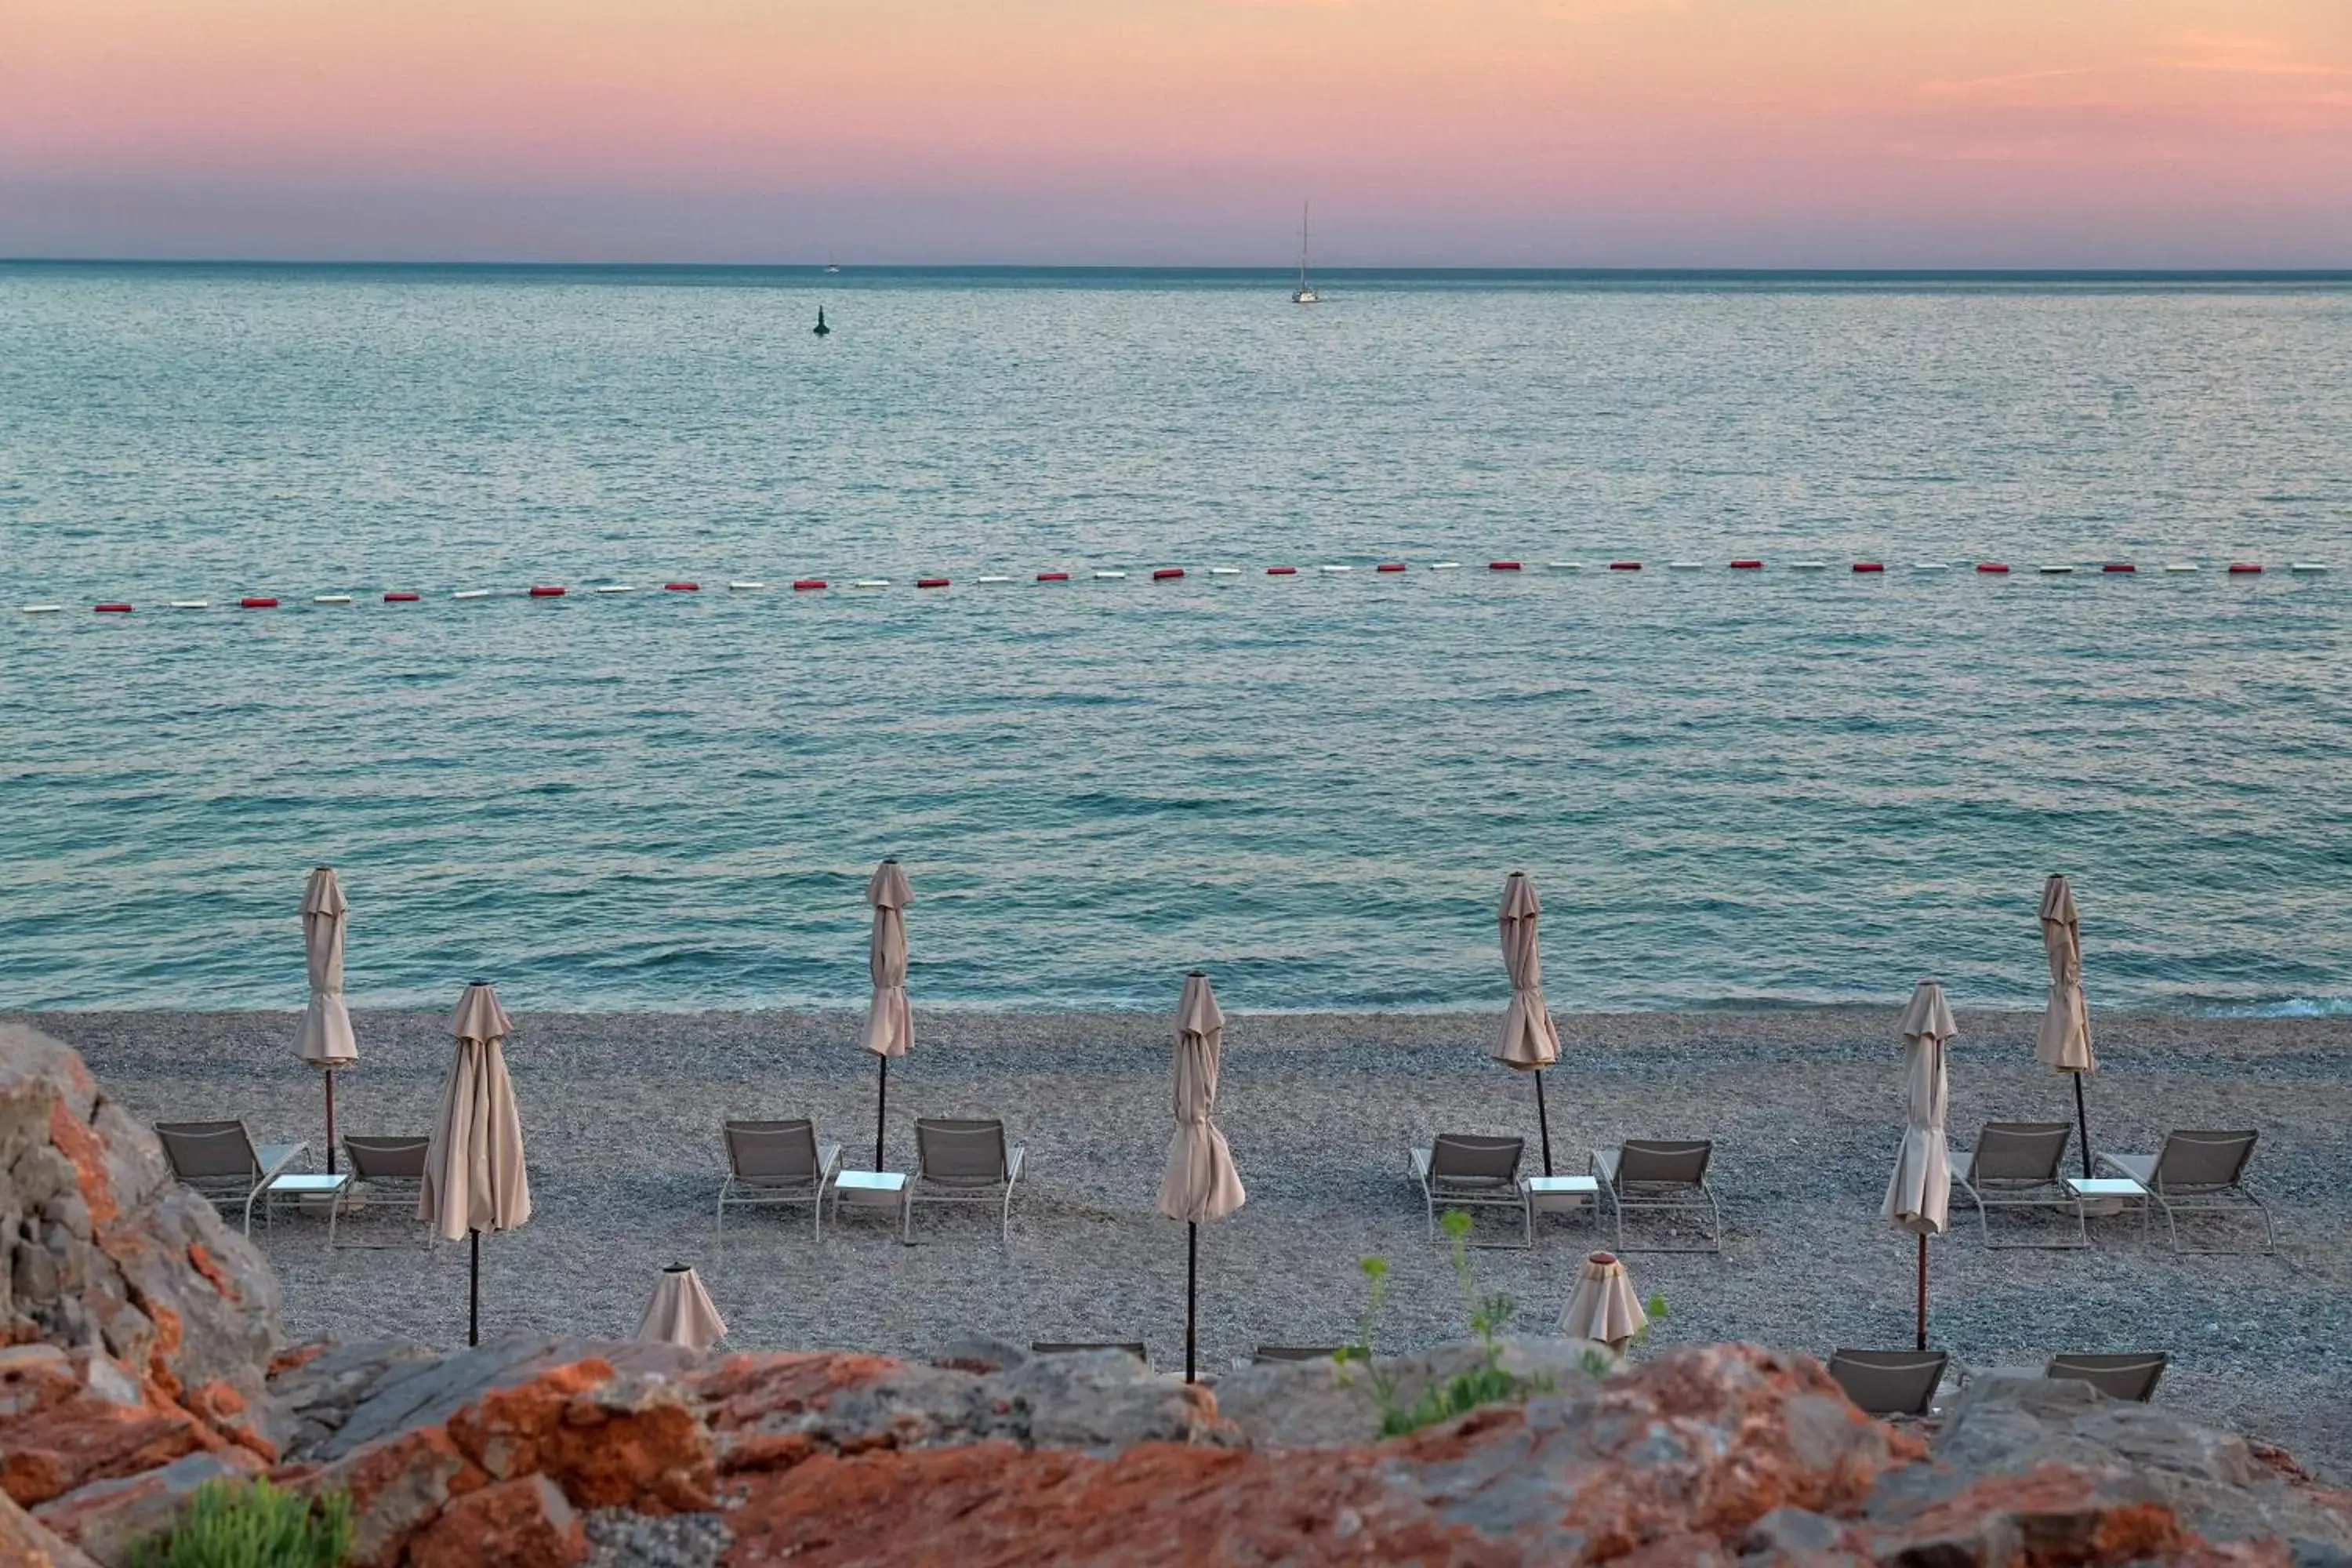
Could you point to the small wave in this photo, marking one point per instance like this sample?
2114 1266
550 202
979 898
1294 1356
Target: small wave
2293 1007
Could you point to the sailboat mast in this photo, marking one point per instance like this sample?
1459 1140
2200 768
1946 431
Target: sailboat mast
1306 210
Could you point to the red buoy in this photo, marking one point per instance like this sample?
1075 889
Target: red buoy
1390 566
397 597
547 591
1052 576
1747 565
1282 571
931 582
1994 566
805 583
1163 574
2119 566
1870 565
256 602
683 587
1502 565
112 609
1625 566
2249 567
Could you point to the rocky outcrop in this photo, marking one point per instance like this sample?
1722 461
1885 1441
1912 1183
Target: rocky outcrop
143 1360
137 1327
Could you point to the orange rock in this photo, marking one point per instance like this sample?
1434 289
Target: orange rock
200 1258
608 1443
57 1434
521 1523
397 1487
25 1543
76 1140
742 1389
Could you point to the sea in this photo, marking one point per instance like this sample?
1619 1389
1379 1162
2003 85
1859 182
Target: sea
1753 787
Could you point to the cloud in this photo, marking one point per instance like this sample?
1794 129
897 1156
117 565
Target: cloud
2241 57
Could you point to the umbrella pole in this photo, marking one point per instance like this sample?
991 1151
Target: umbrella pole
2082 1120
331 1119
1543 1122
881 1110
1192 1290
474 1292
1923 1289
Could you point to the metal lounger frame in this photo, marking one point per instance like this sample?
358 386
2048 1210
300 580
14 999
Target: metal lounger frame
359 1151
2136 1373
221 1164
771 1163
962 1162
2021 1165
1660 1176
2197 1173
1466 1171
1858 1372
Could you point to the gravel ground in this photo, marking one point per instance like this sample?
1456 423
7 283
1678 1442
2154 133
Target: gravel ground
622 1112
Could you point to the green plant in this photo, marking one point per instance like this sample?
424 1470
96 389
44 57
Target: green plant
1484 1383
253 1524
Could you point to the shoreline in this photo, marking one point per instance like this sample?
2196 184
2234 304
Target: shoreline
620 1116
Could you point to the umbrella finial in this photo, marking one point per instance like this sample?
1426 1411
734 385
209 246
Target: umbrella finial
1197 973
679 1268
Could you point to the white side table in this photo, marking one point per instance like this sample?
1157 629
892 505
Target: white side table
1563 1194
2110 1194
309 1188
869 1189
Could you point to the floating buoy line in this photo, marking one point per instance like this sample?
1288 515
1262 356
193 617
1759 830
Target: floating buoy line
1228 573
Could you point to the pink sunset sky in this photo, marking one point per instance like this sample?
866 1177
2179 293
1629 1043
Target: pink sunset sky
1443 132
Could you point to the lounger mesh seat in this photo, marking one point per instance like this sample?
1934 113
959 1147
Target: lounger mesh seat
2131 1376
391 1165
1659 1175
1466 1171
2197 1173
962 1162
2021 1165
1890 1383
771 1163
220 1160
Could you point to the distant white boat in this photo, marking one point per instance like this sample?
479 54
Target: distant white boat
1304 293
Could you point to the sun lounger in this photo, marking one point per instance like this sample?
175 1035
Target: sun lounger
1890 1383
220 1160
775 1163
1080 1347
2197 1173
1665 1176
393 1165
1265 1354
2131 1376
962 1163
2020 1166
1461 1170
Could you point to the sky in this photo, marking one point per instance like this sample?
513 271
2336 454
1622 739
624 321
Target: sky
1861 133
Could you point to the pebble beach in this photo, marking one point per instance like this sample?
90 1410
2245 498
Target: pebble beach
621 1114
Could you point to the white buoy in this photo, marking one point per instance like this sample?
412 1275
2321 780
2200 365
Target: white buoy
614 588
1335 568
1809 565
1563 565
870 582
1685 565
994 579
1931 566
191 604
1111 576
2182 566
1445 566
1224 570
42 609
331 598
2306 566
747 582
2057 569
471 593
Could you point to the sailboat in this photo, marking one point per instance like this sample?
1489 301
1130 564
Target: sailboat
1304 293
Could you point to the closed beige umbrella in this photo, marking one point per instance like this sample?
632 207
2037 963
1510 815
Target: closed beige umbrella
889 1020
1603 1307
474 1174
325 1039
1529 1041
1920 1196
2063 1042
1201 1183
681 1312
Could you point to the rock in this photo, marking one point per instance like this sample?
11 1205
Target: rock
413 1391
978 1353
109 1519
319 1386
619 1538
397 1486
521 1523
2012 1426
1320 1403
1789 1537
609 1441
69 1420
1100 1401
25 1543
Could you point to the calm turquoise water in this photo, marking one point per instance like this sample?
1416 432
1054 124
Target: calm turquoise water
1729 787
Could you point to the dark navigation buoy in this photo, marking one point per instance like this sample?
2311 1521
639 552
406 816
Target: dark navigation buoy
822 329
